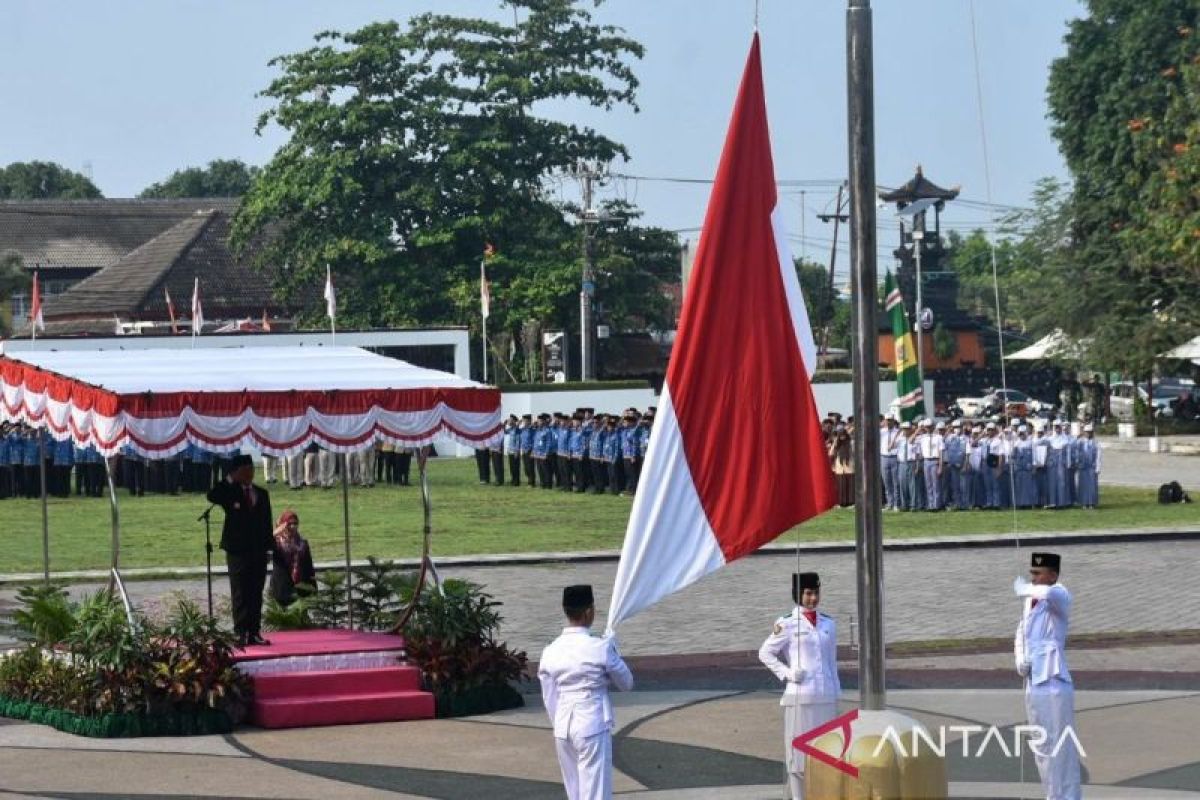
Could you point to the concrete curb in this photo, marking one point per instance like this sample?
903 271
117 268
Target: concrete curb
1083 536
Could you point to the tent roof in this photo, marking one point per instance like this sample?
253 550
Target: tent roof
1189 349
1053 345
275 399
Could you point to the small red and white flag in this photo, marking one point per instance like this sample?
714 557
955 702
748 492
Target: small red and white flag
36 322
485 288
736 456
170 310
197 310
330 295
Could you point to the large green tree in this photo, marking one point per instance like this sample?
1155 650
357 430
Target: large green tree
828 312
221 178
1111 98
42 180
410 147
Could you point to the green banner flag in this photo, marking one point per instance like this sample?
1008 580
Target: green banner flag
908 373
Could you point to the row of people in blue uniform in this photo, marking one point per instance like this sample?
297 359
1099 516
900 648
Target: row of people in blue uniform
928 467
578 452
192 470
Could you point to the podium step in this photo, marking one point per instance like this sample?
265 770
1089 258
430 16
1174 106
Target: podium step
342 709
376 680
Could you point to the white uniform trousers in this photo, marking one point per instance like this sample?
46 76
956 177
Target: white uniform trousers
272 468
311 472
586 764
1052 706
295 470
328 468
798 719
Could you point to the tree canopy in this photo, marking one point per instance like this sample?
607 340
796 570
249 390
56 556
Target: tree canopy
221 178
42 180
413 147
1124 106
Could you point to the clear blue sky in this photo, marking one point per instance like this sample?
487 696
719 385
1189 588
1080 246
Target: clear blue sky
139 88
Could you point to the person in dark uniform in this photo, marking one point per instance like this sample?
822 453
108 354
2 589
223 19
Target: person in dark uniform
496 451
512 448
246 539
483 463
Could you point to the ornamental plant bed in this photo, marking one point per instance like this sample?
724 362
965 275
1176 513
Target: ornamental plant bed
108 726
90 672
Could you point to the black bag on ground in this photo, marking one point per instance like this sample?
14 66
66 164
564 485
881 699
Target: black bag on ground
1172 493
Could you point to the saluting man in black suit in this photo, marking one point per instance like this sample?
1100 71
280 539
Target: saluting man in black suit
246 540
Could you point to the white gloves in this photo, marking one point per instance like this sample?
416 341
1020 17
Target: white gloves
796 674
1023 669
1021 586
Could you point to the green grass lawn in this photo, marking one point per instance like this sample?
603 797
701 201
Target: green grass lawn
159 531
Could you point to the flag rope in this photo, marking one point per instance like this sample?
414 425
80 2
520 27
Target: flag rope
987 183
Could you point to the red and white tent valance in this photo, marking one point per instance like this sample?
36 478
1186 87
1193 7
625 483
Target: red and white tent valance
276 400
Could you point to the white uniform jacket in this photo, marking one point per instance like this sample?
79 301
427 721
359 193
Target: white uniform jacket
805 657
1042 634
575 671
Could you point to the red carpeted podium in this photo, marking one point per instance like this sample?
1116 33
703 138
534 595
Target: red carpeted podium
332 677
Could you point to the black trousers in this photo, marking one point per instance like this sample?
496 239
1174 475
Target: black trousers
543 469
403 466
483 463
247 576
633 470
564 473
527 459
599 476
6 482
616 475
498 466
514 469
584 474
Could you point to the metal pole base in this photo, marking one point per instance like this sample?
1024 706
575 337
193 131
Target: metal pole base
885 772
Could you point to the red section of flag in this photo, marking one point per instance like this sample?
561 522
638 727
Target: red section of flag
738 382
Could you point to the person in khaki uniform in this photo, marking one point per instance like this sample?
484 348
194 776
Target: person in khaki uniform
576 671
802 652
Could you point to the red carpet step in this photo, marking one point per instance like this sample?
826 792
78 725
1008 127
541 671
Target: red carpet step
333 677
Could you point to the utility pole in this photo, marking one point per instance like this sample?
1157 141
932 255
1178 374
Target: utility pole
803 221
588 174
837 218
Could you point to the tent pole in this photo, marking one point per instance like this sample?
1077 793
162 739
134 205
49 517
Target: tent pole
45 513
346 529
116 521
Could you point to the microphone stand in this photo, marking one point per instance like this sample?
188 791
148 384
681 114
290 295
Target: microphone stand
208 550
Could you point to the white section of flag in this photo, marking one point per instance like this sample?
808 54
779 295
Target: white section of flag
485 291
330 295
666 499
197 310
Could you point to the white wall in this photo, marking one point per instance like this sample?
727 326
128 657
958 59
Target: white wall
605 401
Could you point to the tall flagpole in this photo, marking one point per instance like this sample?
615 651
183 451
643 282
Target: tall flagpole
868 518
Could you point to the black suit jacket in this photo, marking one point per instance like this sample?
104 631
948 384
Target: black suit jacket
248 528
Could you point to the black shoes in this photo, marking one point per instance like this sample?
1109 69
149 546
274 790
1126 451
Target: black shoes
247 639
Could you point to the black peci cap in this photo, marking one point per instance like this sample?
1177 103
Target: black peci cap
1048 560
239 461
802 581
578 596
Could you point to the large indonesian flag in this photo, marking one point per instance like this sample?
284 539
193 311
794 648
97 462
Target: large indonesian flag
736 456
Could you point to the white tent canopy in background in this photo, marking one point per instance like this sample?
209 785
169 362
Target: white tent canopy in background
277 400
1055 345
1189 350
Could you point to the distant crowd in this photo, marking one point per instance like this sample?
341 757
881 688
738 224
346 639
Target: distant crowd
80 470
935 466
578 452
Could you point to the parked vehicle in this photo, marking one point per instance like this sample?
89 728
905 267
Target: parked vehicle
1009 403
1122 394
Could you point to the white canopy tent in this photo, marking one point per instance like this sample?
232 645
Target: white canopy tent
277 400
1054 345
1189 350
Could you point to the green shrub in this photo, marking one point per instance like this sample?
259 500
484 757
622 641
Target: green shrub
46 615
182 670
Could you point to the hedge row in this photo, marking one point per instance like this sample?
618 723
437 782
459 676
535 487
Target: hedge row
112 726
